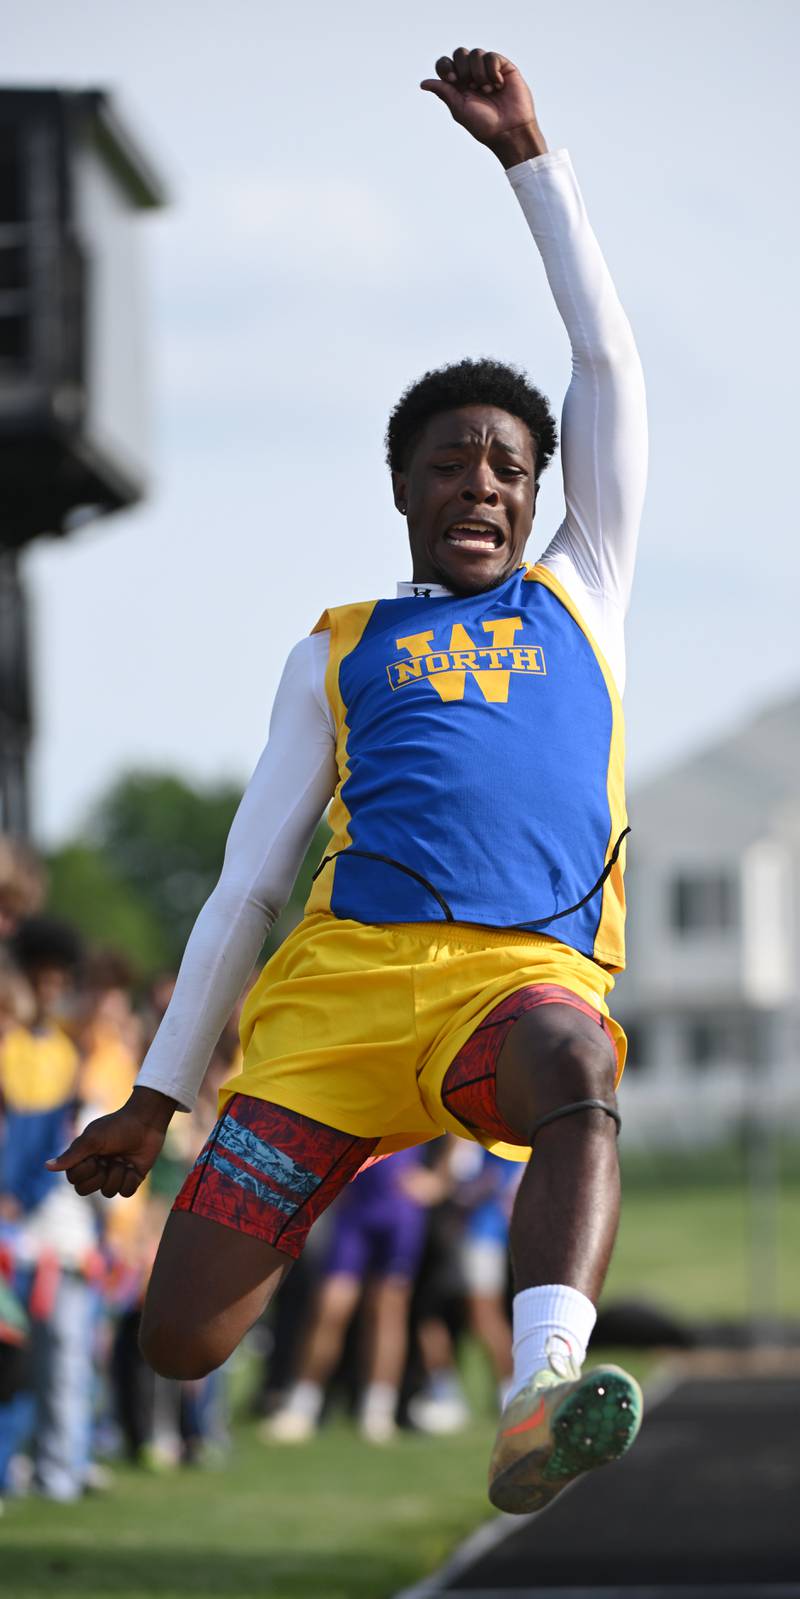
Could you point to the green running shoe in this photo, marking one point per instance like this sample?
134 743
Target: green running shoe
559 1425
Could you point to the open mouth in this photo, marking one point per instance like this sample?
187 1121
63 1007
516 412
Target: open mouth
478 536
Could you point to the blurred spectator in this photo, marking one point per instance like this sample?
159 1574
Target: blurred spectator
22 884
51 1233
108 1032
473 1267
16 1010
281 1332
39 1062
17 1004
376 1238
163 1423
438 1311
487 1200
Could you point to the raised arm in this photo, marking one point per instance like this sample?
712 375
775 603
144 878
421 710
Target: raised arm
604 419
604 427
291 785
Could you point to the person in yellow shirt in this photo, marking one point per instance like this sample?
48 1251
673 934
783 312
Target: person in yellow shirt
52 1236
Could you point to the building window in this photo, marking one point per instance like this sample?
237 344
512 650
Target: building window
638 1035
703 903
703 1043
722 1038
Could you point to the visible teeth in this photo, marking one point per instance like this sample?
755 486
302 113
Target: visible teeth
465 534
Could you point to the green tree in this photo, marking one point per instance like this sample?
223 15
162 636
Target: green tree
148 860
85 890
166 841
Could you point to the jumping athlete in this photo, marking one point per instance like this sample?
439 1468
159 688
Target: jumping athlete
461 938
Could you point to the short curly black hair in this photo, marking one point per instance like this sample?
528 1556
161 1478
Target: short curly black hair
46 941
467 382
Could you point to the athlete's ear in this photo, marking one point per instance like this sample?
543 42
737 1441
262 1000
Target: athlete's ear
400 492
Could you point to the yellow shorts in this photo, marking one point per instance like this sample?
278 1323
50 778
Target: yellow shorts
356 1025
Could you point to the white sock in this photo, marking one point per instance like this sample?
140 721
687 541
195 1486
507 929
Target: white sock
305 1399
380 1399
539 1314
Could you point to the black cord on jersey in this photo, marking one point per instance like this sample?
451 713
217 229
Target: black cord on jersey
524 927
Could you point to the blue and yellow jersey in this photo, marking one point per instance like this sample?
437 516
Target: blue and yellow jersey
480 751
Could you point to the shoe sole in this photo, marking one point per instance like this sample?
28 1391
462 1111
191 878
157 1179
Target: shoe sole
594 1425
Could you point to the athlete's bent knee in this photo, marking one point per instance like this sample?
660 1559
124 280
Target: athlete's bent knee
551 1061
586 1066
177 1351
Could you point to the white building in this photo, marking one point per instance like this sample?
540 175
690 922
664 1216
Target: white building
711 998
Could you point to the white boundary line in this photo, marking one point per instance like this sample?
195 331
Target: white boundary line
487 1537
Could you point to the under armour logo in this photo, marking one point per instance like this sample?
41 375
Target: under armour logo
422 594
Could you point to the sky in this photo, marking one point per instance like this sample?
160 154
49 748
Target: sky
330 235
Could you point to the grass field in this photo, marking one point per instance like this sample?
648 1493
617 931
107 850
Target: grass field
334 1519
685 1242
337 1519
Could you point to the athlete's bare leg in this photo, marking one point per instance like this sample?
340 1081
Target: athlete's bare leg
567 1207
209 1285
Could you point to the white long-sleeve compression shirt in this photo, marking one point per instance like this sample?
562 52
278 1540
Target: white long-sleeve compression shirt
604 463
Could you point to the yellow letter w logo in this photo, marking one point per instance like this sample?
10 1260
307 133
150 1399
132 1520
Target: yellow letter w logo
490 665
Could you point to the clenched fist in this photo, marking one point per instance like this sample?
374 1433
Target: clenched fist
114 1154
490 98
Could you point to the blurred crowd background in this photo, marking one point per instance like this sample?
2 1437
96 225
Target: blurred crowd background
411 1258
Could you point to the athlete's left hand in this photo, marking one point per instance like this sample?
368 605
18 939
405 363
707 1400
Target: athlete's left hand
489 97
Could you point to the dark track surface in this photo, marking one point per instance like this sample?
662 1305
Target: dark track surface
707 1502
